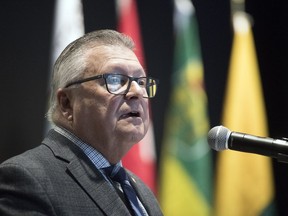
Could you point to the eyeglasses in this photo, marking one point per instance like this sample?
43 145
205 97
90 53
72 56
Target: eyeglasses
119 84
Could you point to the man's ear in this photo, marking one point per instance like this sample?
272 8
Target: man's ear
64 101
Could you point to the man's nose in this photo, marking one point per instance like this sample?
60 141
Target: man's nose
135 90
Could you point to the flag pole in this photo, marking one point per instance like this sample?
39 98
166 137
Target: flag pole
237 6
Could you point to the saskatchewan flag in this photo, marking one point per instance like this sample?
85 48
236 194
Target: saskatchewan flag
185 183
244 181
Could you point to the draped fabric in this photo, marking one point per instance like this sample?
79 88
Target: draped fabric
244 181
141 158
186 173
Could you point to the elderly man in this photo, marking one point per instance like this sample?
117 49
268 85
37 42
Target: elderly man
99 108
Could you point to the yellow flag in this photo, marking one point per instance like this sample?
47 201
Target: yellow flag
244 182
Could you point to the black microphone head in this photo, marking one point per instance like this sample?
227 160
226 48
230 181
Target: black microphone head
218 137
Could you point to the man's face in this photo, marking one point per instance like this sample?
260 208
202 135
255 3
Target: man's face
106 121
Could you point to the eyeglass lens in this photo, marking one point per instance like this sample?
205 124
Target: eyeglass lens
119 84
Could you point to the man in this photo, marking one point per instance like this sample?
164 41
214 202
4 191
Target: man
99 107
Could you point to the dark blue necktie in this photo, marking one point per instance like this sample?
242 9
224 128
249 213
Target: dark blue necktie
118 174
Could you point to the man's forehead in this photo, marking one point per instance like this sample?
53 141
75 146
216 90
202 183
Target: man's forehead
104 53
122 63
102 58
114 61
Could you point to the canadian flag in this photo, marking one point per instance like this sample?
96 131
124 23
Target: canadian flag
141 158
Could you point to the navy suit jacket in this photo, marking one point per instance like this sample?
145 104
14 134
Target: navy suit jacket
57 178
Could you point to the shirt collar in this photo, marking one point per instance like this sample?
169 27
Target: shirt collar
94 156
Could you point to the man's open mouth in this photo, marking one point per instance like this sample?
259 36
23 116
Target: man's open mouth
131 114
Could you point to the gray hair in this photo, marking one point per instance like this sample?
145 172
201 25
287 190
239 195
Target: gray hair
72 62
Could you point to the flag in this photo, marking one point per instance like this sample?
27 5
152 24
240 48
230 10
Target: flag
244 184
141 158
68 26
186 169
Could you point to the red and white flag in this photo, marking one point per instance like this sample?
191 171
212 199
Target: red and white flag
141 158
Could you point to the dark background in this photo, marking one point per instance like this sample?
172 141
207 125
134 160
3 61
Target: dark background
25 37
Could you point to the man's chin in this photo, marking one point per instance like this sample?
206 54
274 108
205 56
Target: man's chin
134 135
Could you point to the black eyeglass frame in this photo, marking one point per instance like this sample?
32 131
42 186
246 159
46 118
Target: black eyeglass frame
105 76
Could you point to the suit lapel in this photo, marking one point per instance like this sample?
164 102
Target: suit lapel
103 194
145 195
141 194
86 175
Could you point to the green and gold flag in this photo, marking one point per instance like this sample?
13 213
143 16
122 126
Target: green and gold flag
186 176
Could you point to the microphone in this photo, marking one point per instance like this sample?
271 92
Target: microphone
221 138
